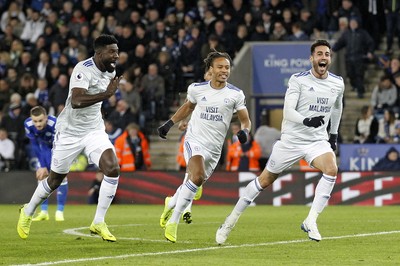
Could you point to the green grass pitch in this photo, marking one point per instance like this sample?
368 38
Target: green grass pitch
264 235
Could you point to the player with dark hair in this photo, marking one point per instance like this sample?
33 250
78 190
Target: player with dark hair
211 105
80 129
40 130
312 99
187 213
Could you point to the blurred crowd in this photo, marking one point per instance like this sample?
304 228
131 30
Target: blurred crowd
162 44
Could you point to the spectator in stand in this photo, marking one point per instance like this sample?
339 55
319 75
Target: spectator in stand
391 161
127 40
237 11
298 34
288 20
122 116
241 37
392 67
266 136
244 157
34 27
27 84
14 11
58 93
93 193
123 12
180 157
42 95
63 35
25 65
7 38
12 78
346 9
85 38
55 52
15 99
108 106
166 69
152 90
65 65
76 22
275 8
88 8
340 56
7 150
387 127
112 131
43 67
278 33
97 23
211 45
16 51
259 34
47 36
138 58
13 122
373 18
224 37
359 46
30 102
5 94
366 127
384 96
132 149
392 15
132 97
396 138
179 9
122 64
306 21
74 49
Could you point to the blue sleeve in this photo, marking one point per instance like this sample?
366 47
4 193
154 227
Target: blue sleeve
38 152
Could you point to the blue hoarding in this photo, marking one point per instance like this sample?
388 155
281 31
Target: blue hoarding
274 63
362 157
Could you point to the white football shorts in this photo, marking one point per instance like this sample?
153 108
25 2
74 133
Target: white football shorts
67 147
211 158
285 154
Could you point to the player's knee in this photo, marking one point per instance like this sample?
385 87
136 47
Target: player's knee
111 169
267 179
198 177
331 170
54 182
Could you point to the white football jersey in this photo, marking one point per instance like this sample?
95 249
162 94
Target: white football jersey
314 97
212 115
81 121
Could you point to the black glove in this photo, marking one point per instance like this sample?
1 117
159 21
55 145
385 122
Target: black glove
314 121
163 130
333 141
243 135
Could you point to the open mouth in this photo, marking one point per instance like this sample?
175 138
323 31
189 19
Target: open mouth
322 64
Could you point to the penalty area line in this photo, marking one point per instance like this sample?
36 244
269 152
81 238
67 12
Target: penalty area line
207 249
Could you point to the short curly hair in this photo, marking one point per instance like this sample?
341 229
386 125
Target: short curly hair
208 61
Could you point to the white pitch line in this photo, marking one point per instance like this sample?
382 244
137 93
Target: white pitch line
75 231
206 249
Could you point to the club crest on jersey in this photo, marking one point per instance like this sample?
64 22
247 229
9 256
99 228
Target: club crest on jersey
79 76
226 101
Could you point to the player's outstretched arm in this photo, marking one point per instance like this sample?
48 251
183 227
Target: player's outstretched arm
243 134
182 113
80 97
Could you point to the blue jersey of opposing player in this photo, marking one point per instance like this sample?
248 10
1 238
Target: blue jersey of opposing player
41 140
